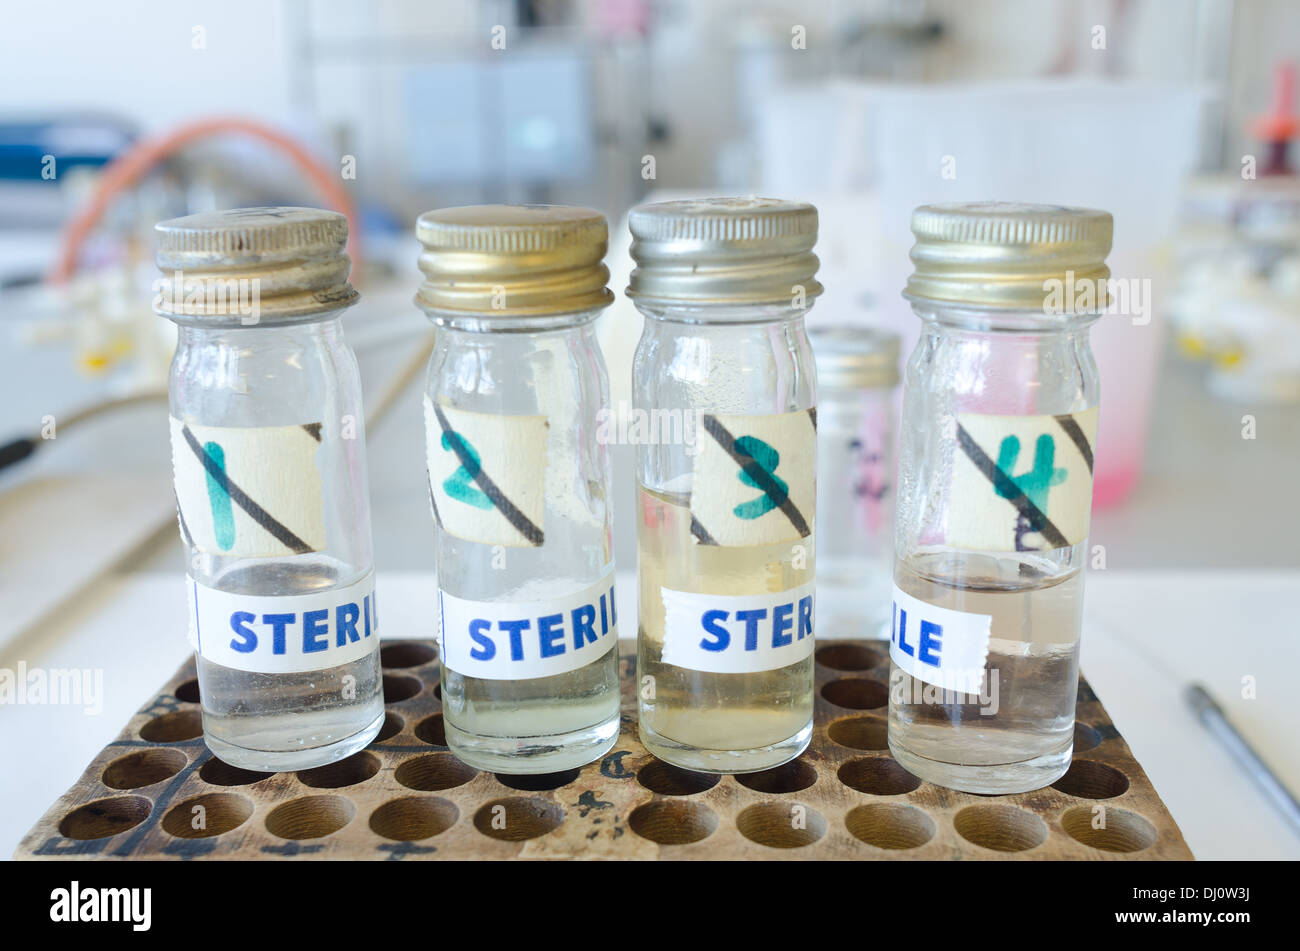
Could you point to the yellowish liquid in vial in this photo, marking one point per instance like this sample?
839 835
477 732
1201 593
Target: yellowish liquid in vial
710 721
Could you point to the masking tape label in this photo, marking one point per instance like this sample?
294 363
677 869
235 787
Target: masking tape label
939 646
755 479
284 633
738 634
487 475
1021 483
520 640
249 492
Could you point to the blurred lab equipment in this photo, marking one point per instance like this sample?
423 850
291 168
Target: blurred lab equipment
889 149
1236 303
857 374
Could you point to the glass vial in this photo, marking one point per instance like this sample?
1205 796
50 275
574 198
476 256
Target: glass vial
857 373
995 490
520 484
725 386
269 459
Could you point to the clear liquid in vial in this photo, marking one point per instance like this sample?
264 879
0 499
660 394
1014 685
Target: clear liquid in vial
728 723
1018 734
289 721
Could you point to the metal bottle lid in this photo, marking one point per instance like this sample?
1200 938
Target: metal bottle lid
513 260
723 251
1001 254
288 263
855 357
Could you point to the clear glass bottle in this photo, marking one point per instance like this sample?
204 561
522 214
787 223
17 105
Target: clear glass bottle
520 484
269 458
995 490
857 373
725 385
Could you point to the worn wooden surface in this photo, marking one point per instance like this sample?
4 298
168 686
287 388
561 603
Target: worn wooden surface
406 797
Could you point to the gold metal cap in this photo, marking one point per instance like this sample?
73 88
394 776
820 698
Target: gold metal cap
855 357
723 251
999 254
283 264
513 260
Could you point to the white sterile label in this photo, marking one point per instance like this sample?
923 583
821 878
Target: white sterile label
487 475
250 492
738 634
284 633
939 646
1021 483
520 640
754 479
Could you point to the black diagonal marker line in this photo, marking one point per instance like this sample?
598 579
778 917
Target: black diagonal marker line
762 478
1037 519
313 429
498 498
701 533
237 495
1076 434
812 415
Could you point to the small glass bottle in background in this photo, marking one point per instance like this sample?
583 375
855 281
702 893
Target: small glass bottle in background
857 373
269 459
519 478
725 387
995 492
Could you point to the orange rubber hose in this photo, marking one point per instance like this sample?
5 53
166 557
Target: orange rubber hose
127 169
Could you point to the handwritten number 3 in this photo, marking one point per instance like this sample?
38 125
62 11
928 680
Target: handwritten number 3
764 460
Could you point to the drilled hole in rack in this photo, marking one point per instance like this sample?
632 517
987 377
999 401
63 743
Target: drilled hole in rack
220 773
437 691
207 815
188 692
1091 780
310 817
413 818
849 657
878 776
668 780
518 818
537 782
431 730
789 777
434 771
673 821
399 687
856 693
780 825
1000 827
357 768
143 768
1124 832
406 654
173 727
105 817
1085 738
392 726
890 825
860 733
